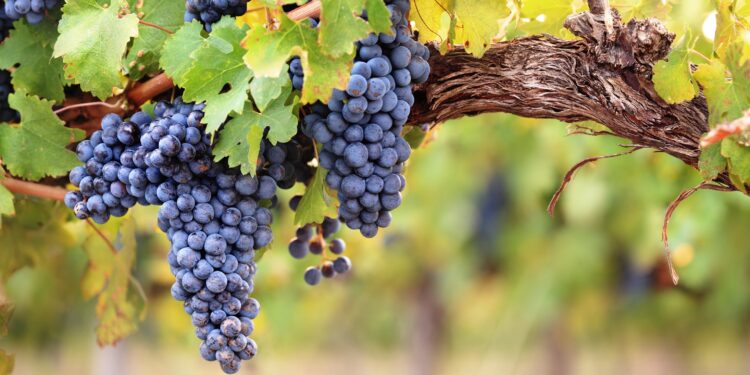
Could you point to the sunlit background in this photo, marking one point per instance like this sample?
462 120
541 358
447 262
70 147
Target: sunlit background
473 277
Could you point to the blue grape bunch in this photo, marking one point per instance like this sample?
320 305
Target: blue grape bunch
360 128
6 23
212 215
312 239
7 114
32 10
209 12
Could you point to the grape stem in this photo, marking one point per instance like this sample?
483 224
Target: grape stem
146 91
155 26
103 237
91 104
33 189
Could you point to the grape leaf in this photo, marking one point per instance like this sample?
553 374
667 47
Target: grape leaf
432 20
30 49
672 78
472 23
143 58
218 76
6 203
341 24
175 56
711 163
35 148
738 158
266 89
548 16
317 203
239 140
478 23
270 51
93 39
726 100
120 304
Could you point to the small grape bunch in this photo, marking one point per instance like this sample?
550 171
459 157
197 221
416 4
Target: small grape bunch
312 239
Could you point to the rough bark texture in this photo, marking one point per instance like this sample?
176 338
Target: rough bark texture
605 76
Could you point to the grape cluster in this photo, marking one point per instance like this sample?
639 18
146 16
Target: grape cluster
7 114
296 72
32 10
311 239
361 127
211 214
209 12
287 163
5 23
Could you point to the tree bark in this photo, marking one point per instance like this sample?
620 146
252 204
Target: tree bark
601 77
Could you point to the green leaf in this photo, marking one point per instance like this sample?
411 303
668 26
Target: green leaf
29 49
269 51
317 203
93 39
725 97
711 163
218 76
35 148
672 78
738 158
265 89
143 58
120 303
6 203
239 140
175 57
341 25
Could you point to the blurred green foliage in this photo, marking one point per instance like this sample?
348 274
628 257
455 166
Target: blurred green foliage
594 270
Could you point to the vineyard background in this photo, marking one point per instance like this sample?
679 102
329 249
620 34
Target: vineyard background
585 292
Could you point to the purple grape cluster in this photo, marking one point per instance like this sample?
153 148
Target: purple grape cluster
32 10
211 214
6 23
311 239
7 114
361 127
208 12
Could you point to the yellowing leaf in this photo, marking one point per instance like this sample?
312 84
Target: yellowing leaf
726 98
120 303
473 22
